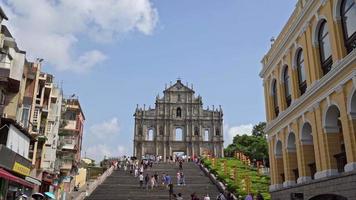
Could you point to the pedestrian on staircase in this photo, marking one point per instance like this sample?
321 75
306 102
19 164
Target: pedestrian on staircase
170 185
140 177
156 179
178 178
147 179
136 172
182 179
163 179
152 182
179 197
207 197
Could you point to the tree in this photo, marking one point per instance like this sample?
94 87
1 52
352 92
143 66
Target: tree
254 146
259 129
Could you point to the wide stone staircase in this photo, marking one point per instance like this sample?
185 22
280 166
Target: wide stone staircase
121 185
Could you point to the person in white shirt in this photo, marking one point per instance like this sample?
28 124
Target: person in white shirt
207 197
140 177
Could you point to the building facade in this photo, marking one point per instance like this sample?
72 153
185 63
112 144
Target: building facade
70 144
178 125
309 79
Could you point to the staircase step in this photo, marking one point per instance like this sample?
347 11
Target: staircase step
121 185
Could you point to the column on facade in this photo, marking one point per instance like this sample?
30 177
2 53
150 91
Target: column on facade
290 159
347 132
165 143
336 34
352 121
306 153
276 162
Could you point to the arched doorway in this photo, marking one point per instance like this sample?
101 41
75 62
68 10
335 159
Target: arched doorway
292 162
308 152
328 197
279 163
334 138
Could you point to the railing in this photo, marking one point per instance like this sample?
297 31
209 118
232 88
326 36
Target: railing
91 187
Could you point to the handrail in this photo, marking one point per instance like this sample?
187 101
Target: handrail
91 187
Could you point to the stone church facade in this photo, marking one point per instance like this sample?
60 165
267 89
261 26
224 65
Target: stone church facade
178 124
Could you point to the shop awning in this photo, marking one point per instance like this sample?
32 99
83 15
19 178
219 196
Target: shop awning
6 175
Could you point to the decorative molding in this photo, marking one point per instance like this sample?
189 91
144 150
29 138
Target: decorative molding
289 34
275 187
328 101
331 129
326 173
289 183
304 179
314 88
339 88
306 142
350 167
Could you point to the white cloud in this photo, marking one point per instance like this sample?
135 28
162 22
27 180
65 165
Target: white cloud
53 30
98 151
232 131
105 129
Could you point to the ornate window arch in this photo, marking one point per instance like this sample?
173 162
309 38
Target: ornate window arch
324 47
302 82
348 18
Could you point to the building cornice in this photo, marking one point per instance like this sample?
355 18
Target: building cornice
282 47
281 120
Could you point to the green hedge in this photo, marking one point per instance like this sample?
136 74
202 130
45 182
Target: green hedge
259 182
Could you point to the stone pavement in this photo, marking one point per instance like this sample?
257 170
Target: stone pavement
120 185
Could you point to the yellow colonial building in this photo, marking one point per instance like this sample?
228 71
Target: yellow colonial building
309 79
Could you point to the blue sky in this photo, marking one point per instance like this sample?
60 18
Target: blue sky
116 54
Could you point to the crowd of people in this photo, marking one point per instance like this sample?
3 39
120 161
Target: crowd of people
150 181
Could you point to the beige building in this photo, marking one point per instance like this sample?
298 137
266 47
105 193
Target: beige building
309 79
178 125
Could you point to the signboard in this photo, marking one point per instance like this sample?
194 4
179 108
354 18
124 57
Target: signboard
33 180
21 169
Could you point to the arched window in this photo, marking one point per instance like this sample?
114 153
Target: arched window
274 97
150 135
206 135
179 134
217 131
324 47
301 72
196 131
348 18
179 112
287 88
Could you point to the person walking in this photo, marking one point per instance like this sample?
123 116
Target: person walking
136 172
140 177
182 179
156 178
207 197
249 197
179 197
178 178
220 197
163 179
152 182
170 186
259 196
147 179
